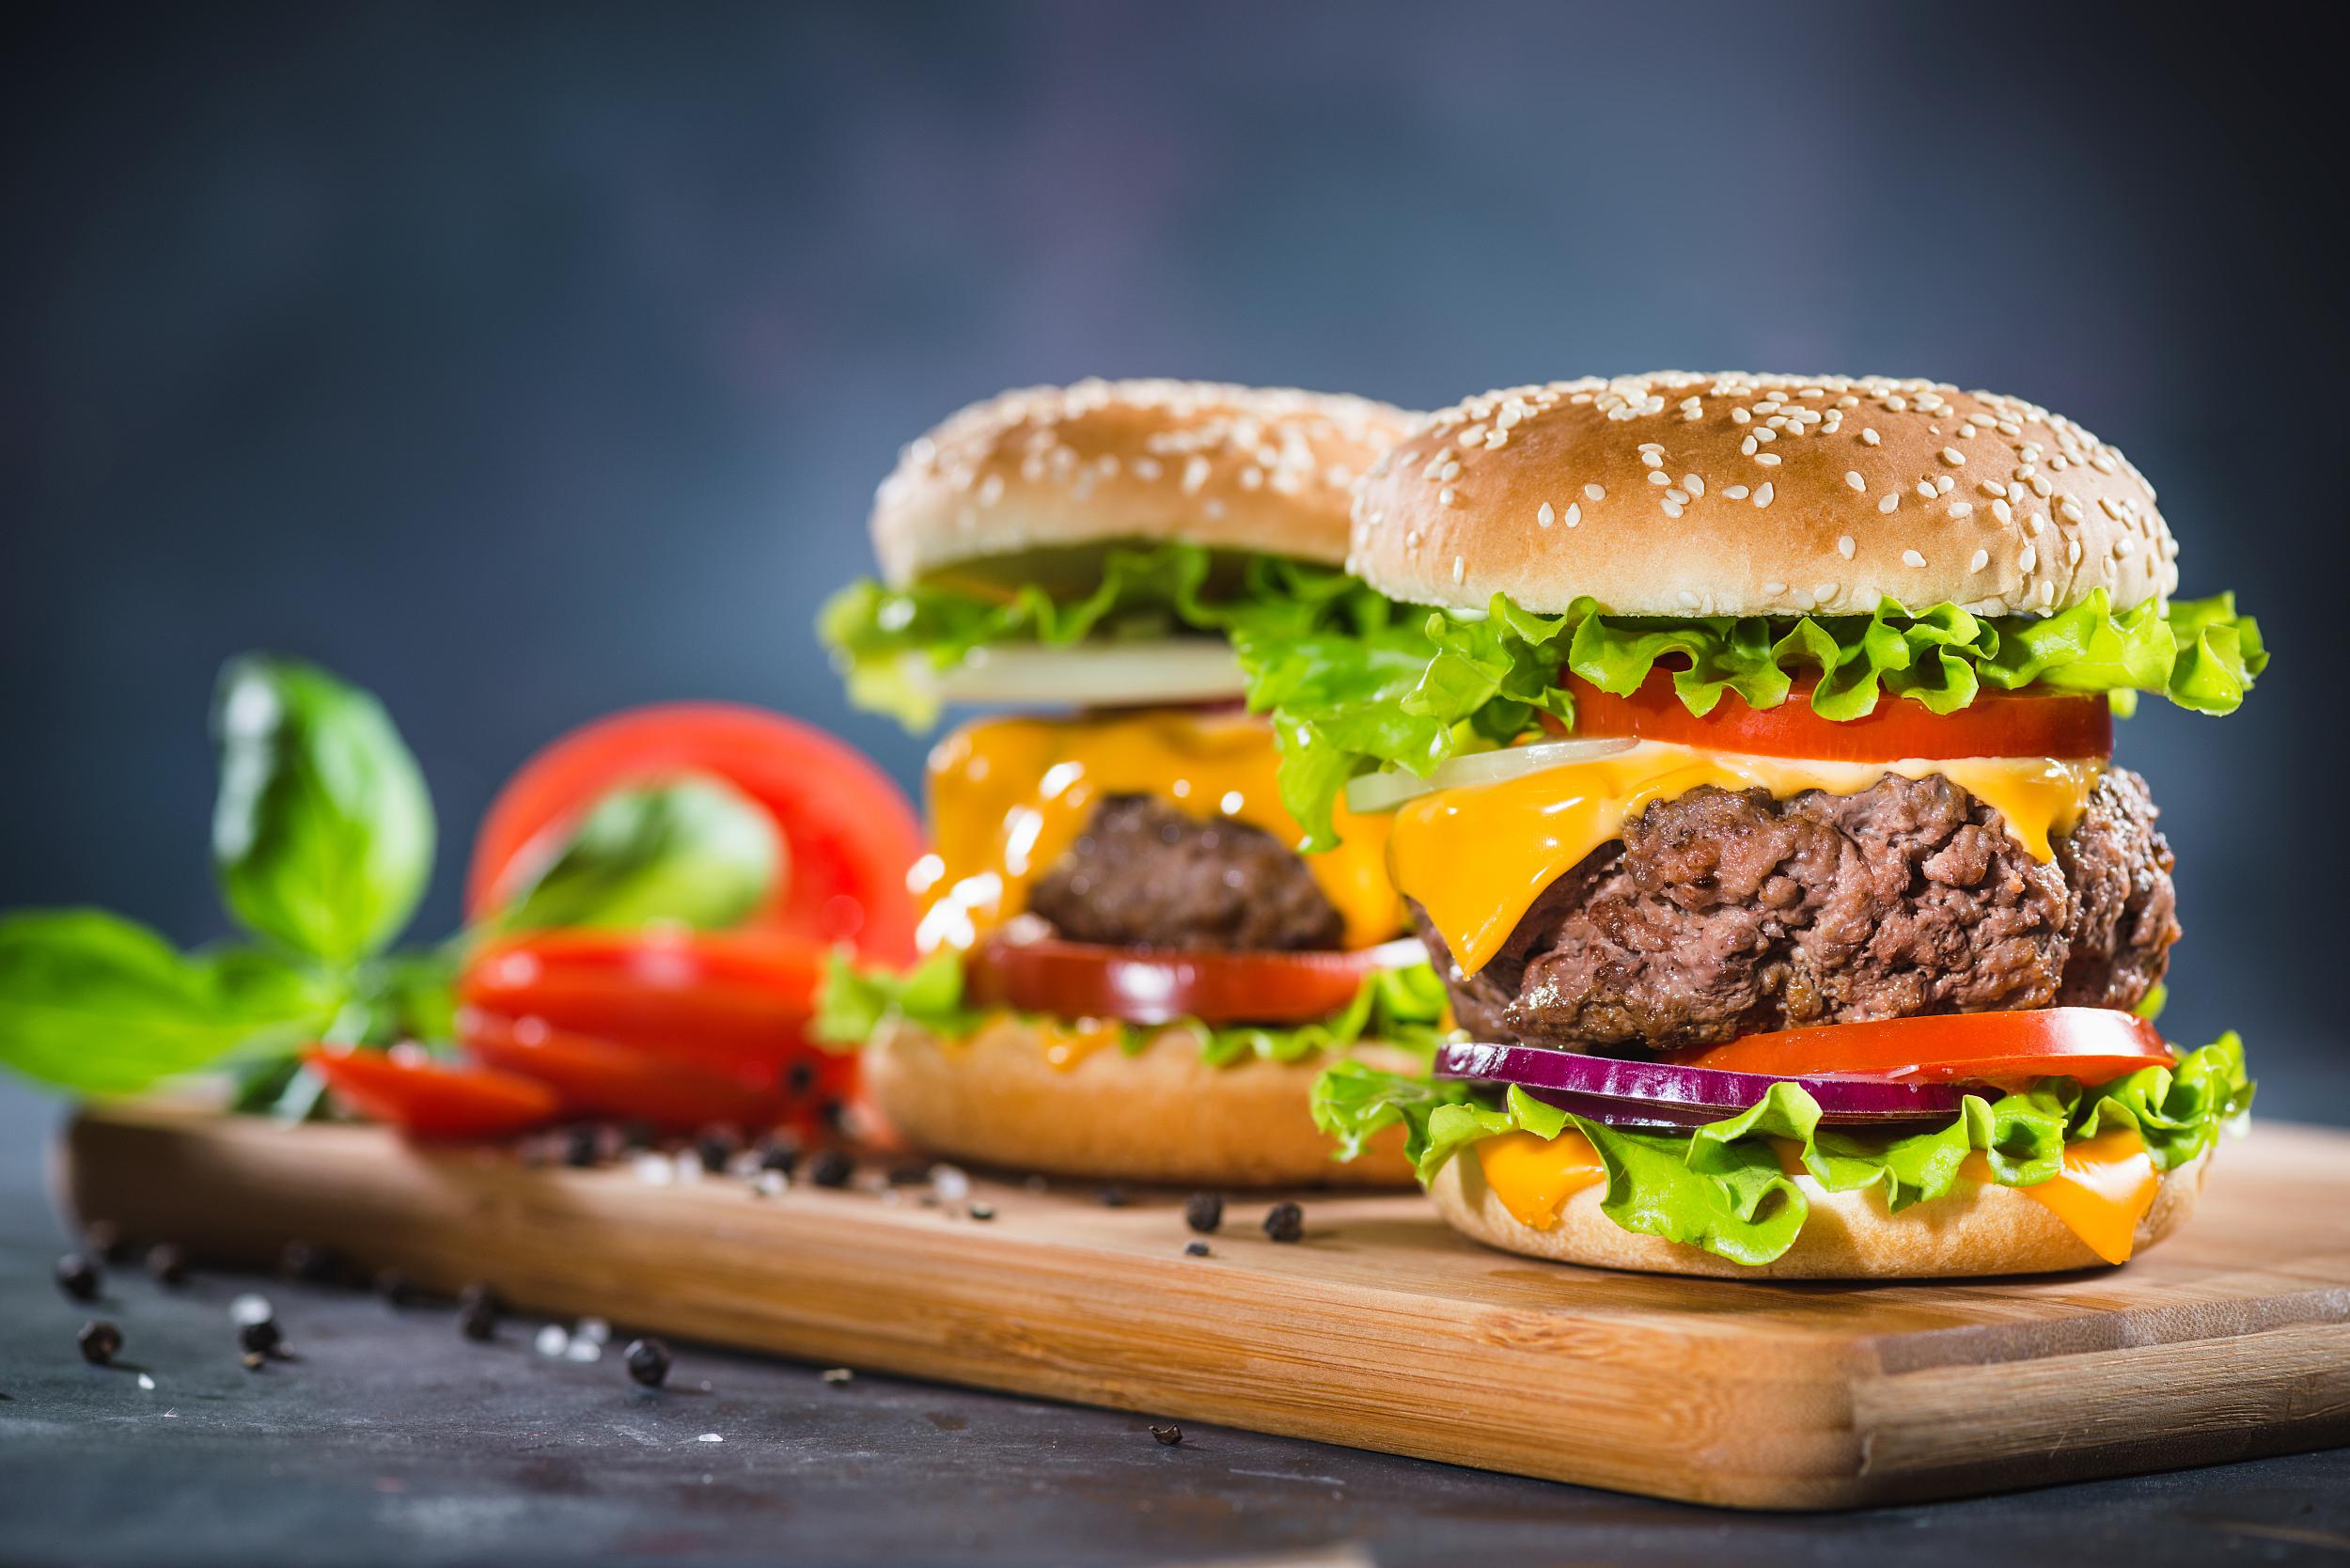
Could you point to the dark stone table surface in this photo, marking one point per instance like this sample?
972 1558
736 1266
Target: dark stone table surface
390 1439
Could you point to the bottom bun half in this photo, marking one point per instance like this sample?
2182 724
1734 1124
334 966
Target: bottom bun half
1162 1114
1848 1235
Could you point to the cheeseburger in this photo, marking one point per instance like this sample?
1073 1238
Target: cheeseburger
1133 971
1749 782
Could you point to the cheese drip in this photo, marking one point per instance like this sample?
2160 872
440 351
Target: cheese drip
1533 1175
1008 798
2107 1184
1476 857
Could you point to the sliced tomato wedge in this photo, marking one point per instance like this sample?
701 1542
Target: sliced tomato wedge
849 835
1995 724
2094 1044
735 1004
1080 979
596 1077
432 1099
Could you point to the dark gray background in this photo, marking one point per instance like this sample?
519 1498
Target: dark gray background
524 363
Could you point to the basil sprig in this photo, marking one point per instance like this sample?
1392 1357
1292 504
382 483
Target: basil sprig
322 843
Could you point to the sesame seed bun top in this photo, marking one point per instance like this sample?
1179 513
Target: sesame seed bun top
1267 470
1680 494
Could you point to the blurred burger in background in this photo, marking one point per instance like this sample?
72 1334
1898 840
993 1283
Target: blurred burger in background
1751 785
1137 965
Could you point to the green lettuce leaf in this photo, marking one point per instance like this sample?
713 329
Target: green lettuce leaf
887 640
1414 693
1722 1186
853 1002
1394 1007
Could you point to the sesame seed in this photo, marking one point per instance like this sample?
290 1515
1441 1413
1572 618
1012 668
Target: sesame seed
1892 499
1869 437
1595 492
1762 496
1574 514
1672 508
2122 547
1769 460
1444 497
1460 569
1852 478
2030 558
1546 516
1911 557
1657 475
1655 459
1979 560
1962 509
1774 588
1677 496
1688 600
1694 485
1736 492
1844 545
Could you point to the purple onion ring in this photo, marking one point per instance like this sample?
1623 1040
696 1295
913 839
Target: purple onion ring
1660 1096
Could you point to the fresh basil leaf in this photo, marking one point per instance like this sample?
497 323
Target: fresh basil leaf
99 1005
323 835
695 851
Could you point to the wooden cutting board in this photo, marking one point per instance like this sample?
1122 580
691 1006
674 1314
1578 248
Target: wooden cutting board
1382 1329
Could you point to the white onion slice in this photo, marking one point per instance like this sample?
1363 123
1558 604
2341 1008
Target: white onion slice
1390 788
1096 675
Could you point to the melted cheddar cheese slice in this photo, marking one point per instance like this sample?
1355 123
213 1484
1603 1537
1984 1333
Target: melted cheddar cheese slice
2107 1184
1476 857
1533 1175
1008 796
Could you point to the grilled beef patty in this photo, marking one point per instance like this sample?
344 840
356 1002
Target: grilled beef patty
1722 913
1145 874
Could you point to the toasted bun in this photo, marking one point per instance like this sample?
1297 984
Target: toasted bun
1162 1115
1848 1235
1682 495
1249 468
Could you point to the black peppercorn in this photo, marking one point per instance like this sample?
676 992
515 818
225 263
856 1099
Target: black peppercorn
1203 1211
1111 1198
638 1135
648 1362
799 1078
259 1339
780 1155
477 1309
168 1263
1285 1222
1195 1249
582 1147
396 1288
78 1276
1169 1435
834 1115
101 1341
105 1240
714 1148
831 1168
981 1211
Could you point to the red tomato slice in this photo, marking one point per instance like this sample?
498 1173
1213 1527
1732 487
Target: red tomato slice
431 1099
1080 979
2094 1044
599 1078
1995 724
735 1004
850 836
